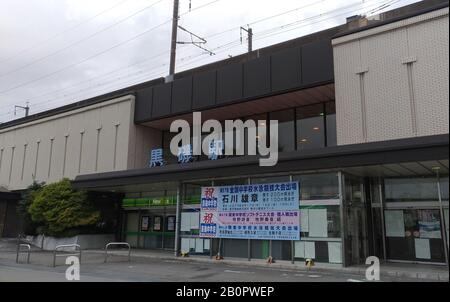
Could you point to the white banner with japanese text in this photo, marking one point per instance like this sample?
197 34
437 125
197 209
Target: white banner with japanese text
259 211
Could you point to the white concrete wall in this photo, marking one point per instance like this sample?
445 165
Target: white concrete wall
38 150
392 80
86 242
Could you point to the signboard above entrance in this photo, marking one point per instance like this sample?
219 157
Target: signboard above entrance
148 202
263 211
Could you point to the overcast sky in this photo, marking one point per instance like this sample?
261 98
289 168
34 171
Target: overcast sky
56 52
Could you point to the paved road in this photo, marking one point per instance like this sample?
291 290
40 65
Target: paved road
156 270
93 269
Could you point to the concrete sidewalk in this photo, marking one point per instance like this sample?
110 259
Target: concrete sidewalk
414 271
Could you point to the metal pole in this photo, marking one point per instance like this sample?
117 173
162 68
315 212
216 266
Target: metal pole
249 241
291 179
173 47
18 248
178 220
342 214
381 193
441 209
250 40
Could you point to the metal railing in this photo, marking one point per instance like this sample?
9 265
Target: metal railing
118 244
67 253
19 250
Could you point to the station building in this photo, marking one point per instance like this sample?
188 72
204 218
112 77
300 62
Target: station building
363 111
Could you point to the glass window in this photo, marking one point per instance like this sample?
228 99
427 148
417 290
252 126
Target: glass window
443 183
414 235
286 129
320 221
331 124
190 219
132 225
353 189
192 192
318 186
410 189
310 127
260 120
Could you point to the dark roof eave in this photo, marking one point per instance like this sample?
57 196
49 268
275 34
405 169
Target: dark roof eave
403 150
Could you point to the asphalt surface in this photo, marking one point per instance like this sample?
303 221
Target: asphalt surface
154 270
118 269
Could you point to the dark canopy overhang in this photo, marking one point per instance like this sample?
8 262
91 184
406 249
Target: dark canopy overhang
428 148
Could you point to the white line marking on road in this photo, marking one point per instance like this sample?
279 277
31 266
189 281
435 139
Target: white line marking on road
237 272
314 276
354 280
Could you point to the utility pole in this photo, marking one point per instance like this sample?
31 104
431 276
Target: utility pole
173 48
26 108
249 32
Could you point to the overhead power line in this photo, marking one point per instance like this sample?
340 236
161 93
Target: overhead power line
38 44
100 53
80 40
223 48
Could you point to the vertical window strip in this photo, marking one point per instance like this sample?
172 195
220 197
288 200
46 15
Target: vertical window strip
80 158
115 146
11 164
412 98
1 159
363 105
66 137
50 158
37 158
23 160
97 148
324 120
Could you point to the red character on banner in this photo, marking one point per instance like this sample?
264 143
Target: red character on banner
208 218
209 193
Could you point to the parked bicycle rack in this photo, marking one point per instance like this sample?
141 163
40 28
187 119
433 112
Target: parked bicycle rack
28 251
23 243
118 243
66 254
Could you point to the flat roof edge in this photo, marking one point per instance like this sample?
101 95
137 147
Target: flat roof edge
394 19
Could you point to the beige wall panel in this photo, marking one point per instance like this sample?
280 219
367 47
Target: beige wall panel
106 142
429 45
125 119
348 112
406 69
44 151
386 86
73 146
105 115
91 122
58 130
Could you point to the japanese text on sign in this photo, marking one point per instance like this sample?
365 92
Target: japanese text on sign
263 211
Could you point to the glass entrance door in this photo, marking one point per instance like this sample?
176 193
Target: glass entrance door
157 229
355 220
